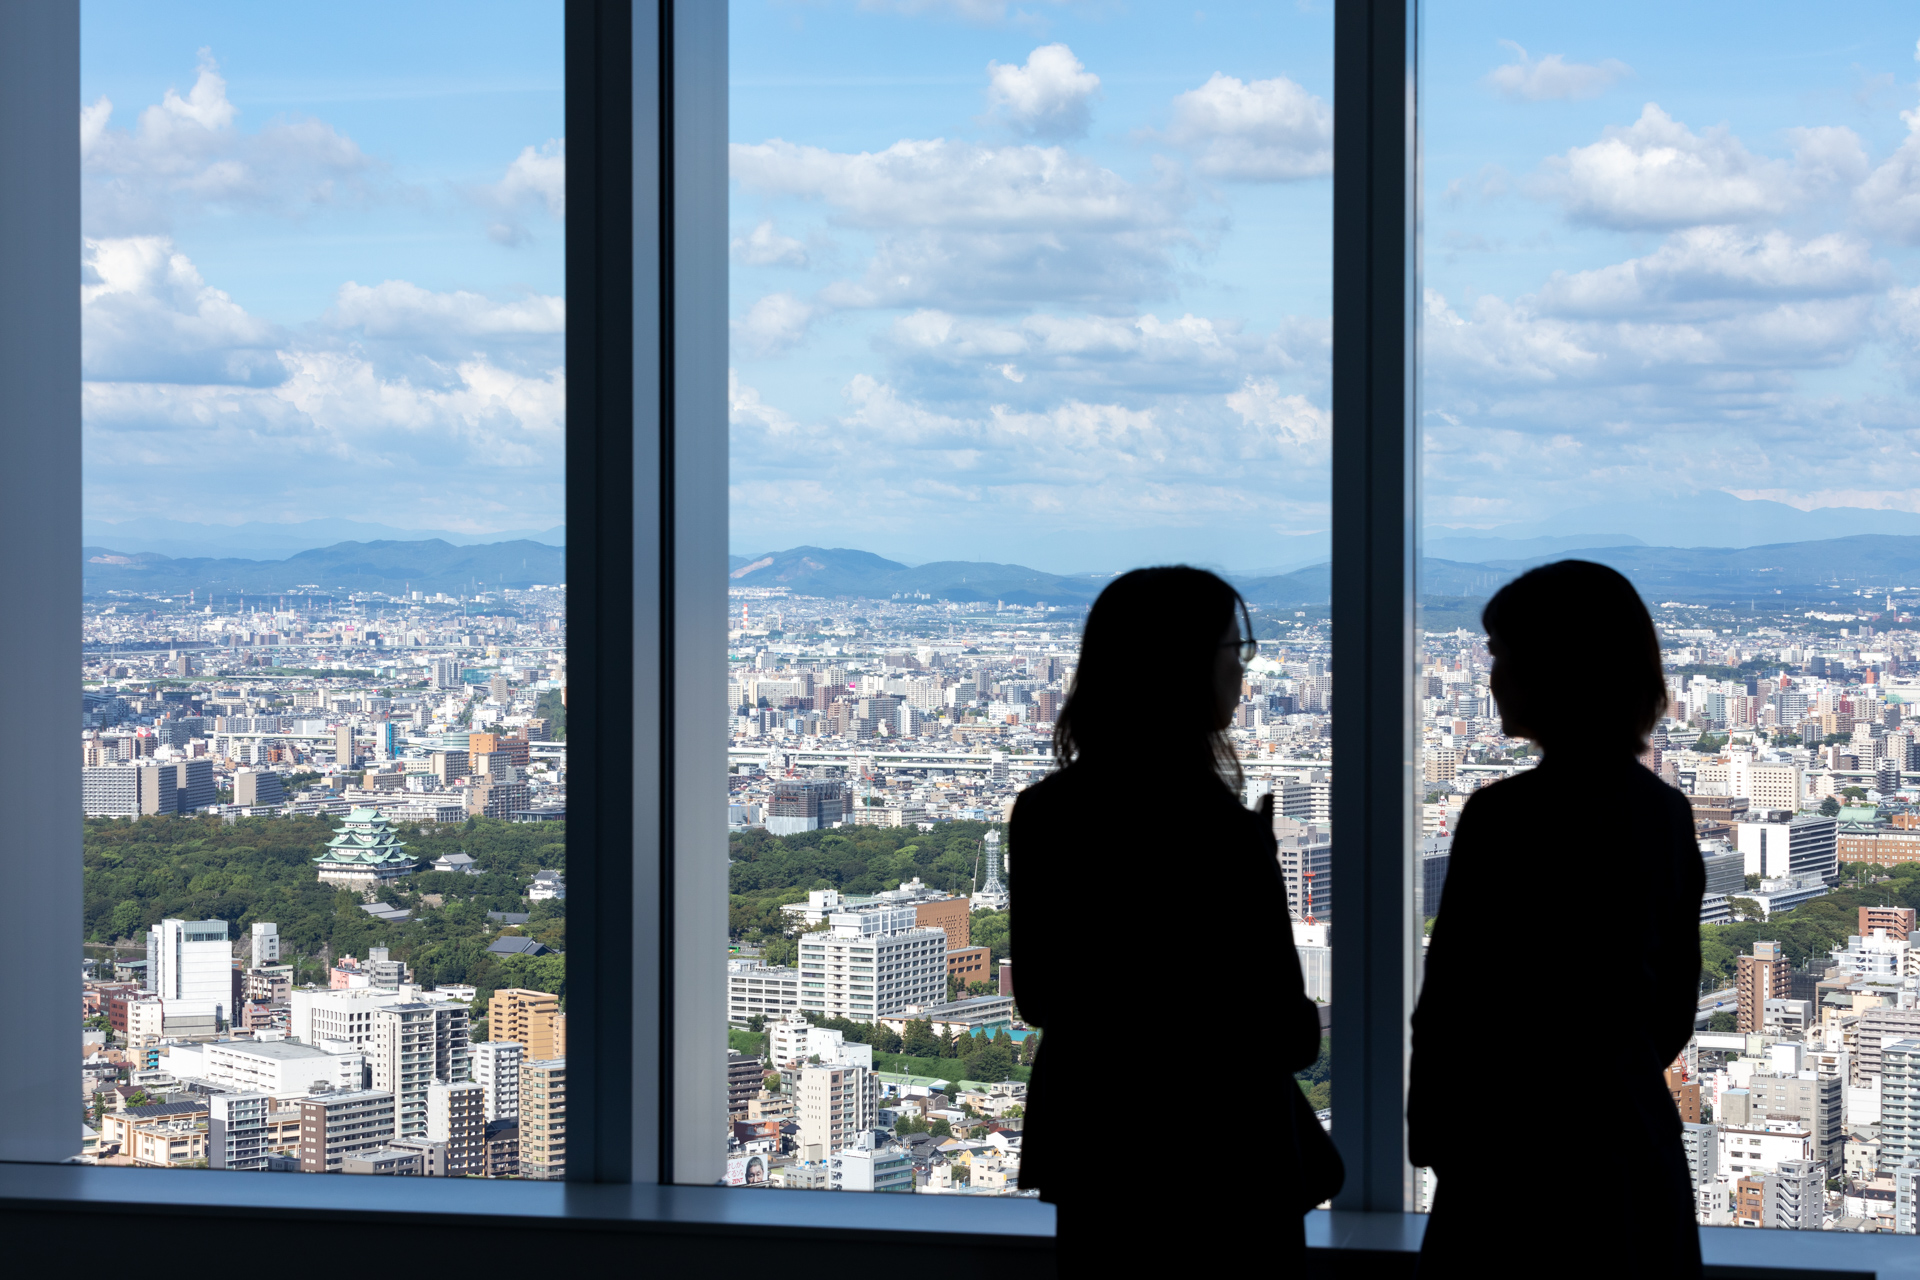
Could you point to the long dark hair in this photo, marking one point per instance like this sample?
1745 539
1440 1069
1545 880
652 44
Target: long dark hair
1148 650
1575 616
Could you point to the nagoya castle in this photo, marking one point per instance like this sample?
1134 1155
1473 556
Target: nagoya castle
363 853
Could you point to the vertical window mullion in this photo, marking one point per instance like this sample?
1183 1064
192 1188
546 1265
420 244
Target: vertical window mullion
1374 483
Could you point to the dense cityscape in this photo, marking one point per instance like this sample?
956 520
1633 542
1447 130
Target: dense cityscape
326 883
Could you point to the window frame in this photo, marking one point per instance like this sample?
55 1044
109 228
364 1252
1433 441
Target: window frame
646 471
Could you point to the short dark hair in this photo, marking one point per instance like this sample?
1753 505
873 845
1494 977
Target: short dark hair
1151 637
1575 616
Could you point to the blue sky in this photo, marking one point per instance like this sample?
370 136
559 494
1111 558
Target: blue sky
324 262
1044 282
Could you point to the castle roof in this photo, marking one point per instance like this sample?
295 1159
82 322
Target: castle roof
366 840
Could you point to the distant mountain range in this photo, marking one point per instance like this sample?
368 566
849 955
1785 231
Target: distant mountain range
1784 573
432 565
260 539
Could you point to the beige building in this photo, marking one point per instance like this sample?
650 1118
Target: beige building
543 1118
163 1142
413 1045
835 1103
531 1017
334 1126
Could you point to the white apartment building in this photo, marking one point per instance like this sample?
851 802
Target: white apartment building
793 1039
146 1022
496 1069
343 1017
190 961
864 1169
456 1117
1799 848
237 1130
1748 1150
280 1069
413 1046
756 987
835 1104
871 963
266 944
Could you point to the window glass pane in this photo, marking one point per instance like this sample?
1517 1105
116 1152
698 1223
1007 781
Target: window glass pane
325 601
1021 300
1669 321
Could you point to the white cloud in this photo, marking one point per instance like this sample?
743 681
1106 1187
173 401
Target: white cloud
148 315
1530 79
186 153
1292 419
1264 131
540 173
1046 98
1715 270
765 247
1659 173
776 323
400 309
965 226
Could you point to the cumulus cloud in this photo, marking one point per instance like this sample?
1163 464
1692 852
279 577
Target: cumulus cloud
147 314
1289 419
1263 131
1658 173
186 153
774 324
969 227
536 178
1046 98
1529 79
765 247
1714 270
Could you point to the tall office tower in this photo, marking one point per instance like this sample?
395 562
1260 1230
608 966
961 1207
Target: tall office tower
496 1069
266 944
1306 867
456 1116
528 1017
193 784
543 1118
1899 1102
837 1102
343 746
189 961
1760 977
993 894
499 690
412 1046
446 673
1802 845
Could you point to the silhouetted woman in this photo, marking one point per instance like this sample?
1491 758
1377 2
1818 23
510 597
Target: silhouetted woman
1572 904
1152 947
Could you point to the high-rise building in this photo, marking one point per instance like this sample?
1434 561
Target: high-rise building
1760 977
1791 845
190 964
543 1118
334 1126
413 1045
836 1103
237 1130
343 752
1897 921
193 784
498 793
129 790
1796 1195
1818 1101
526 1017
1306 866
446 673
499 690
266 944
1702 1144
456 1117
1900 1102
870 963
496 1069
258 787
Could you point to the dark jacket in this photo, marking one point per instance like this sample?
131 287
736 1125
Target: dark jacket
1572 902
1149 935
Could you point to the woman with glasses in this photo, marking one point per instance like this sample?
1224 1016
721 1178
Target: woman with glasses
1576 669
1153 945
